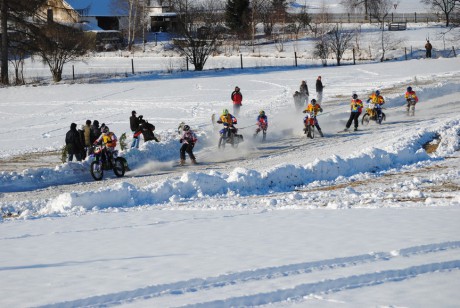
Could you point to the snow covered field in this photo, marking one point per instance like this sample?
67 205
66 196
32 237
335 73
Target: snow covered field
365 219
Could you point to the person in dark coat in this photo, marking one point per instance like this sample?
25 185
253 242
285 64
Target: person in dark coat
73 143
319 90
134 122
81 133
428 48
95 131
304 94
146 129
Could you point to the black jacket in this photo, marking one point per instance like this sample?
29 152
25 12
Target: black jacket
134 123
94 133
73 142
147 131
319 85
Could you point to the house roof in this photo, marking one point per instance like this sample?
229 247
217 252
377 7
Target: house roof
106 8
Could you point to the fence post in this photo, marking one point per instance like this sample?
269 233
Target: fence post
391 17
73 72
295 57
348 17
415 17
241 60
411 54
405 53
186 62
453 49
132 66
354 59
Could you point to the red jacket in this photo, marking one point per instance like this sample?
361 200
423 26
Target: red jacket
237 97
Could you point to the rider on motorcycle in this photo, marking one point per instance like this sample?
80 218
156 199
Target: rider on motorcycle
108 140
312 111
411 99
262 122
228 121
377 100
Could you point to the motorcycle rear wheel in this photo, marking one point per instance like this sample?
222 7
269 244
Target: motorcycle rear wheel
96 170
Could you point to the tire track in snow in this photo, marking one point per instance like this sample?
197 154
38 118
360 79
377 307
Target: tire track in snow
197 284
335 285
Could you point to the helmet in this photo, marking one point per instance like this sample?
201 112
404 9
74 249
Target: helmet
313 101
409 89
262 112
133 112
377 92
237 88
354 96
225 112
186 128
105 129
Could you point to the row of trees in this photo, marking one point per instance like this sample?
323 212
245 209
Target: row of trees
202 25
26 31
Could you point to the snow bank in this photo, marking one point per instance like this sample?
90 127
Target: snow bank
283 178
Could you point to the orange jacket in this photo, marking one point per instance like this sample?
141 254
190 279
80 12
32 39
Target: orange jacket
411 95
313 109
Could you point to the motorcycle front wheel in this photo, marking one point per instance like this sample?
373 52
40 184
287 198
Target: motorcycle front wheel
119 167
96 170
366 119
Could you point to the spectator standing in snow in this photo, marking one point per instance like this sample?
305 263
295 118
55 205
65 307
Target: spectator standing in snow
73 143
304 94
87 133
134 122
319 90
237 99
95 131
428 48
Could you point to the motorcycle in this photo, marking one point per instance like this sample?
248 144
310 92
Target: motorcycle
309 129
229 136
371 115
105 160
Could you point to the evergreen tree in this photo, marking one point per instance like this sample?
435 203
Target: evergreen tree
237 17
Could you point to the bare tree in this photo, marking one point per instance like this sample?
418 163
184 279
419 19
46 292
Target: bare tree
300 21
15 14
380 9
267 17
199 26
447 7
357 5
59 45
339 40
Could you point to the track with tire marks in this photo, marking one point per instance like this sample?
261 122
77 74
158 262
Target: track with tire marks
173 291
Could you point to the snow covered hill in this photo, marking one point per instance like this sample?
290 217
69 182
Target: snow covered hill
367 218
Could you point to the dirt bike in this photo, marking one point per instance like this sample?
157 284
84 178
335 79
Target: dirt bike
105 160
410 107
371 115
229 136
309 122
262 127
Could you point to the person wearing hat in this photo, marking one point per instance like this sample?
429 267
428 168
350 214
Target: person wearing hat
134 122
73 143
237 99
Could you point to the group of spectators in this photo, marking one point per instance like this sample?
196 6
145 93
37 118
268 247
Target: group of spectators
301 97
79 142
